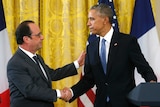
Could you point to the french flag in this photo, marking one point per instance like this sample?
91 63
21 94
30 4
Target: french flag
5 55
144 28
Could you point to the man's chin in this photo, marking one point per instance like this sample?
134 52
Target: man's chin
39 47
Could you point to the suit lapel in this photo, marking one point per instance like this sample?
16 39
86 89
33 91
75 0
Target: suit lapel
32 63
95 49
112 51
44 66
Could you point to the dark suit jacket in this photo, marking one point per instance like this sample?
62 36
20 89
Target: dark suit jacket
124 55
28 86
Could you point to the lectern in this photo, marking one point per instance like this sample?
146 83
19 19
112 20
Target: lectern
145 94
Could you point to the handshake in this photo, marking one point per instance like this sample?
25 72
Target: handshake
66 94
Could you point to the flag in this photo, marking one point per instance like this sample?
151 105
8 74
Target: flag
5 54
144 28
87 99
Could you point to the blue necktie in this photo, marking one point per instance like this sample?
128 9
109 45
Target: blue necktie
103 59
103 55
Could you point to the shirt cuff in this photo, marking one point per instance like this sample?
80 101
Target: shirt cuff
76 64
58 93
72 92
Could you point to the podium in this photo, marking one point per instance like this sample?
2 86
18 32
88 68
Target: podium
145 94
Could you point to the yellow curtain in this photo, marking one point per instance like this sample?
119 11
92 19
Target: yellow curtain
63 25
124 11
17 11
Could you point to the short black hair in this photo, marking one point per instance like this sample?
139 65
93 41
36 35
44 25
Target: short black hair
23 30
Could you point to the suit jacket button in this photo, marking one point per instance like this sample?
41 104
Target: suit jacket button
106 83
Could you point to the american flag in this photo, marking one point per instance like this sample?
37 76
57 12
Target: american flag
87 99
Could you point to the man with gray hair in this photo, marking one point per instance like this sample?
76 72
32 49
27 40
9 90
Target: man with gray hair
110 62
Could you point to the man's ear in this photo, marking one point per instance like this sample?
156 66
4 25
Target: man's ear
106 20
26 39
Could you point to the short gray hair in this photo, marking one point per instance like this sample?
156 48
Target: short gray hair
104 10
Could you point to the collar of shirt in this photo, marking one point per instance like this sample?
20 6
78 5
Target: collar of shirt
107 37
27 52
31 56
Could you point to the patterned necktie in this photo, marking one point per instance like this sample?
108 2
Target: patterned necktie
103 55
40 66
36 59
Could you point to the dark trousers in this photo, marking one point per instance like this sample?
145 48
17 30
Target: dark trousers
108 104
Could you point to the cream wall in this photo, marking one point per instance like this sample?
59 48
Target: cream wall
157 18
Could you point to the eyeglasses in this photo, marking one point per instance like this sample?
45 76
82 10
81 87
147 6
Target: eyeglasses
39 34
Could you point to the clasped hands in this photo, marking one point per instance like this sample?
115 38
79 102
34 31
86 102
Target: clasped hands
66 94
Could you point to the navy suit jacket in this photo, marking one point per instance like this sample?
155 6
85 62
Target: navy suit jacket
28 85
124 55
